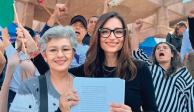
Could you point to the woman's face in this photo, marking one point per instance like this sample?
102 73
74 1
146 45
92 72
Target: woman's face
112 36
181 30
59 54
163 53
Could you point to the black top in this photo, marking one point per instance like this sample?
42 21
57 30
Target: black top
138 92
86 39
191 31
174 40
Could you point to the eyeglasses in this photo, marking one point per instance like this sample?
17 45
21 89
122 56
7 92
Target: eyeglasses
55 51
118 32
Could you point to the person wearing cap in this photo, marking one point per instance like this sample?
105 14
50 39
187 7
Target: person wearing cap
79 24
176 38
59 11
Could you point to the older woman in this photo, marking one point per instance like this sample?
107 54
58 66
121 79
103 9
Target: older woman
57 46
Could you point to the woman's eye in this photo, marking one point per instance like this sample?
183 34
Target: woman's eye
52 50
105 32
66 49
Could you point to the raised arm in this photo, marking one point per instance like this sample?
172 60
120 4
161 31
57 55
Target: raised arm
33 51
12 63
2 62
59 11
106 6
135 40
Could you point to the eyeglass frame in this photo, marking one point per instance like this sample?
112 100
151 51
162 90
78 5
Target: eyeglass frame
124 29
58 50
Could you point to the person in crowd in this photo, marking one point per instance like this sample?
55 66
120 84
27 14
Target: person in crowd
186 47
91 24
176 38
187 52
79 25
172 81
191 27
58 46
109 56
16 71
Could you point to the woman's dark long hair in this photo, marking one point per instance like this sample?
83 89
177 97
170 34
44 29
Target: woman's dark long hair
175 63
96 57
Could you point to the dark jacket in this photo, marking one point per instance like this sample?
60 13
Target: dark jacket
174 40
191 31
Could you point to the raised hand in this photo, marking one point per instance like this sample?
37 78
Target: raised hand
136 34
191 13
106 6
59 12
138 25
28 42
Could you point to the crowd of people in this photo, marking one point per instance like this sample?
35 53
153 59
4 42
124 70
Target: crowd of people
38 76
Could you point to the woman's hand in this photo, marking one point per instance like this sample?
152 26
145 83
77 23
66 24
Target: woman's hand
106 6
119 108
25 41
68 100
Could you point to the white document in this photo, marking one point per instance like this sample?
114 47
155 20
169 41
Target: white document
96 94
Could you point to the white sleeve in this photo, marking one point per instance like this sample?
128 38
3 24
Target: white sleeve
140 55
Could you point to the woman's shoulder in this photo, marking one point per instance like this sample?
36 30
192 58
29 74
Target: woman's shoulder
140 64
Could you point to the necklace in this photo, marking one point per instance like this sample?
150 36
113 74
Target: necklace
110 70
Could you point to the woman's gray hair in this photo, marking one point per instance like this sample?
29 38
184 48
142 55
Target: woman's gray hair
58 32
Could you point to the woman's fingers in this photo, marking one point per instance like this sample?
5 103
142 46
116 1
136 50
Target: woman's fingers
120 108
68 100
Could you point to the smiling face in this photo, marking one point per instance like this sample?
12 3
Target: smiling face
59 54
163 53
112 44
